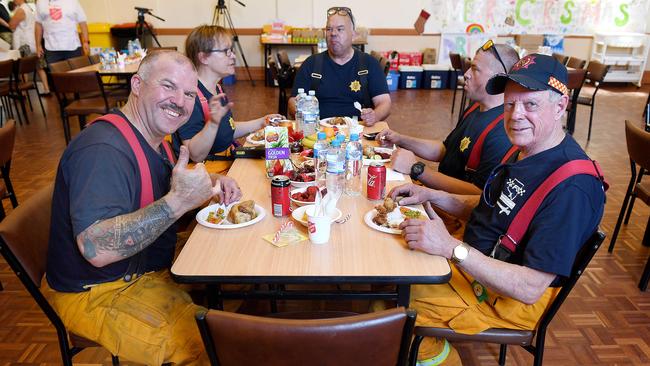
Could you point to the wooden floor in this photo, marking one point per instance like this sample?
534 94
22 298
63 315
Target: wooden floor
606 320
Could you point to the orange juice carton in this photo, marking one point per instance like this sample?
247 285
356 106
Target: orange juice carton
278 152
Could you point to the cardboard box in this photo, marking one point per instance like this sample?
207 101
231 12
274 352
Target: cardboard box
277 151
529 41
429 56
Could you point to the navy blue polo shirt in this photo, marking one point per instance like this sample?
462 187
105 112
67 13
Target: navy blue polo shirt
565 220
98 178
225 133
460 142
339 88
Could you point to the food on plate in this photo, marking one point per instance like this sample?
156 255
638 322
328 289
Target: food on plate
216 217
310 140
303 171
337 121
390 215
309 195
307 153
242 212
258 136
370 152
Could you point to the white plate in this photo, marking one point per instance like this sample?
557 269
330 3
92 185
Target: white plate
250 140
202 216
367 218
367 161
299 203
326 122
299 212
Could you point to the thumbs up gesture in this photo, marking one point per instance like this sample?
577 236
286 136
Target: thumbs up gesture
189 187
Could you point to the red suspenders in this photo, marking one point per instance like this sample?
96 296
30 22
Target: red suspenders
204 103
146 196
519 224
475 155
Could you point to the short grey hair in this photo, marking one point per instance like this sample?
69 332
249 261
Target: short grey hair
149 62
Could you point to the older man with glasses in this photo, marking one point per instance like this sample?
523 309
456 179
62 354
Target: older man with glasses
505 278
475 146
342 75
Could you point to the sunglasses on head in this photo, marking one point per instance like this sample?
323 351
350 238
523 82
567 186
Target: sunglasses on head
489 45
341 10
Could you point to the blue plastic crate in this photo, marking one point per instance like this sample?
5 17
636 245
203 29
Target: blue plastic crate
392 79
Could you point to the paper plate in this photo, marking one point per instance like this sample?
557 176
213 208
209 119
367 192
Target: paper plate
299 212
367 161
202 216
250 140
367 218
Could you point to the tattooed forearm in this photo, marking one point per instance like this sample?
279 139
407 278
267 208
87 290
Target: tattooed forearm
114 239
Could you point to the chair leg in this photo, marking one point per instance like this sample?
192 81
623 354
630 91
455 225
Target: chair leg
619 221
645 277
29 100
591 117
40 100
415 347
115 360
503 352
629 209
1 288
22 106
453 100
66 128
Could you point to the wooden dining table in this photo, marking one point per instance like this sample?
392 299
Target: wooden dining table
355 253
127 70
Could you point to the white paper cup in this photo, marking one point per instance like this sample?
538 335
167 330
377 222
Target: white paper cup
319 228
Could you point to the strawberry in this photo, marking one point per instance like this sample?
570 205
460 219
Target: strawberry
311 190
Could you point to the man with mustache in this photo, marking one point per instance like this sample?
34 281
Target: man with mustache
341 76
504 278
116 199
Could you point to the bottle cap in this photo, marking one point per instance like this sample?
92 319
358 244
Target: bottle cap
301 90
321 135
336 143
354 137
312 92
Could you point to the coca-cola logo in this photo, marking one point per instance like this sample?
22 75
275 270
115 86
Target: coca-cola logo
371 180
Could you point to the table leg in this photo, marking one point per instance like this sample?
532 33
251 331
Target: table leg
403 295
646 236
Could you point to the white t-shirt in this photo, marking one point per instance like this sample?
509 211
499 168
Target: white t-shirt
59 19
24 33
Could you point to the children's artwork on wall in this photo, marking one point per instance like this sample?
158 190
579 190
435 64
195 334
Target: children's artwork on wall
462 43
555 42
579 17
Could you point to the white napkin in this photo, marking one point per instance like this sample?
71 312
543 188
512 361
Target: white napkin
392 175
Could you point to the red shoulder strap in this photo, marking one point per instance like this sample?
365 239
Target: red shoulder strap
521 221
204 105
146 196
509 153
475 155
168 151
471 109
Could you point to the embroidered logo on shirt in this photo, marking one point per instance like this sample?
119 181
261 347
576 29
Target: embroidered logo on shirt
56 13
355 86
232 122
479 291
464 143
513 189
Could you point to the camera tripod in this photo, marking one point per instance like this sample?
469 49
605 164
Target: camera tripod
222 17
140 26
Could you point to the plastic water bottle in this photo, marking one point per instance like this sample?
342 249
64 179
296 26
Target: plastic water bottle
300 121
136 45
320 158
335 177
310 113
130 47
353 164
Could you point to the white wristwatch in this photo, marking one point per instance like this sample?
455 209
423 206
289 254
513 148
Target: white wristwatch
460 253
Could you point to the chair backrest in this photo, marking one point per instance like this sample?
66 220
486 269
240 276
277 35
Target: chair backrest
576 78
94 59
466 64
6 69
376 55
7 138
283 59
78 62
638 144
596 71
384 63
456 61
380 338
61 66
77 82
584 256
560 58
27 64
576 63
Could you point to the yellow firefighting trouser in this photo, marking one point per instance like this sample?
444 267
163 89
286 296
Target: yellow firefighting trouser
149 320
455 305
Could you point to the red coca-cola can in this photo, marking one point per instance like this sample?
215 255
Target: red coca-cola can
280 202
376 188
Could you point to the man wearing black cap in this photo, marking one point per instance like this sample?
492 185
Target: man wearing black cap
498 282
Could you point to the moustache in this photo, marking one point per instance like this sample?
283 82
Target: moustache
175 108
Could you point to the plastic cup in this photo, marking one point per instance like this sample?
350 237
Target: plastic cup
319 228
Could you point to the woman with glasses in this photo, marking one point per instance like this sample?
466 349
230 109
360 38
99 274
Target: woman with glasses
211 130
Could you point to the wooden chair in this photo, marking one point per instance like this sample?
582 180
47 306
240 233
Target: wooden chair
523 338
638 145
26 68
576 79
7 139
560 58
61 66
7 94
596 73
25 250
79 83
78 62
380 338
283 96
457 77
576 63
94 59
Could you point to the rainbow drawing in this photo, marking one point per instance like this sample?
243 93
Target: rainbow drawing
474 28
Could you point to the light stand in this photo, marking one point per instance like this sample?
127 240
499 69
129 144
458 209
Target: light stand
140 26
222 17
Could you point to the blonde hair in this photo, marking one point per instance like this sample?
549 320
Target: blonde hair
203 39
